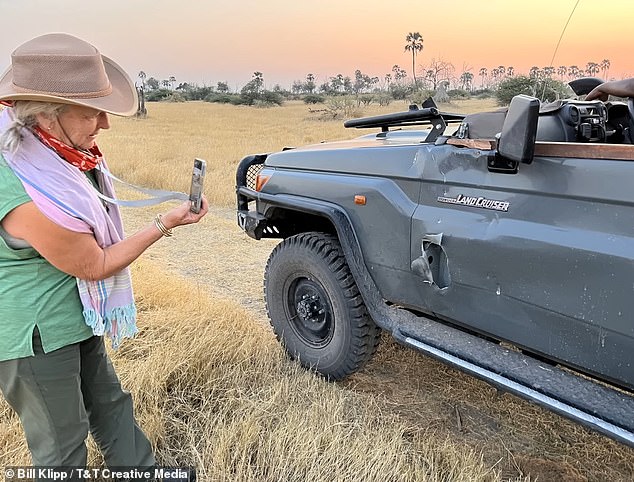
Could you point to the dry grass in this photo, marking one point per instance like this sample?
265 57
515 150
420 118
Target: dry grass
213 389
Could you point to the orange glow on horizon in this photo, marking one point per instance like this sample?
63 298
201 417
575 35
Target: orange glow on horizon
207 42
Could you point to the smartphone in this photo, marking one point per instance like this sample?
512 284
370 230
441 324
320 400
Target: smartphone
196 190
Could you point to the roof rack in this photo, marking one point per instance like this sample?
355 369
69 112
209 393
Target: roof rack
427 115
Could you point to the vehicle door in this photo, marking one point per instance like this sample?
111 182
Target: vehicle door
543 258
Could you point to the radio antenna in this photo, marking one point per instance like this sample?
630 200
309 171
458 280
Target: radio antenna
552 61
563 32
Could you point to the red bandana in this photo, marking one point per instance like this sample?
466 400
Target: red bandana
84 160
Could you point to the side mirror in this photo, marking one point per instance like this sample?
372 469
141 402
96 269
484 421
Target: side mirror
519 131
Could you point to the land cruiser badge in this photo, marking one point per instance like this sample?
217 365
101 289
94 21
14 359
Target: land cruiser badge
477 202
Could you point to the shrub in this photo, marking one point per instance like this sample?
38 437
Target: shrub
175 97
545 90
420 96
240 100
400 91
157 95
340 106
364 99
269 98
314 99
458 94
384 99
221 98
198 93
483 93
261 98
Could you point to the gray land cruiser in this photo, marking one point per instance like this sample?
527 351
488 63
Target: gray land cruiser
505 248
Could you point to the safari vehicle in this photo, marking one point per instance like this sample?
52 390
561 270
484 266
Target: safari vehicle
505 248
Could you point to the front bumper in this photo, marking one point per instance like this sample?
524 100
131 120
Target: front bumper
251 222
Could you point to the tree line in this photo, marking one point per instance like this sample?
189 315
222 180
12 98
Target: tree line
398 84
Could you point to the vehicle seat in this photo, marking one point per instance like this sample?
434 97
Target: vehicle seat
484 125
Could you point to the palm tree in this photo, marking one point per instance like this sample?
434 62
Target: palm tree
495 72
605 67
336 82
510 71
592 68
483 74
466 78
534 72
259 78
142 75
414 44
310 83
562 70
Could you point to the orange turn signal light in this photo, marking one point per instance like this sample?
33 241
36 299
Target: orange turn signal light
359 199
260 181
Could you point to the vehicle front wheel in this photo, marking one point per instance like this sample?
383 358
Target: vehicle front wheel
315 307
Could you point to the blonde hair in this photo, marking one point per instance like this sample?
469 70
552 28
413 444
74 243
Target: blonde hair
25 114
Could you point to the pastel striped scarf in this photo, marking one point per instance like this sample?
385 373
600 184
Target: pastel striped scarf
65 195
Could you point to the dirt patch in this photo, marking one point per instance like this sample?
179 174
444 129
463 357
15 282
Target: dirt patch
518 438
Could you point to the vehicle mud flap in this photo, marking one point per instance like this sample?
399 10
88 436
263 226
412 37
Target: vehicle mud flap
433 265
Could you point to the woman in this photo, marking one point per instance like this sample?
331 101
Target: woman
64 279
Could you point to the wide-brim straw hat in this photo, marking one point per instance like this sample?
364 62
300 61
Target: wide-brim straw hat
60 68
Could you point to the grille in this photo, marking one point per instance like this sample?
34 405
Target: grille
252 174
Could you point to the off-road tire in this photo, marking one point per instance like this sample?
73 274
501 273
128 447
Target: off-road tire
315 307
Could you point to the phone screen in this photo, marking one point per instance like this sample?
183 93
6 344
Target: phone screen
196 190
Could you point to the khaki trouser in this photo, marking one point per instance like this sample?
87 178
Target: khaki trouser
60 396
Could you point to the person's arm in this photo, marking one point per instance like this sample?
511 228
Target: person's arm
619 88
78 254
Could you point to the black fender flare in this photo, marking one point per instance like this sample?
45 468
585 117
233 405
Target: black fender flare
378 309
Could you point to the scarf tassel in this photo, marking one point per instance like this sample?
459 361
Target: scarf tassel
118 324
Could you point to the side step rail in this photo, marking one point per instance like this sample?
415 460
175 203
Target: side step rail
597 406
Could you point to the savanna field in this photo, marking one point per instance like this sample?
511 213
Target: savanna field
213 388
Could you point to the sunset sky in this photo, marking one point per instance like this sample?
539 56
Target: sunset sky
208 41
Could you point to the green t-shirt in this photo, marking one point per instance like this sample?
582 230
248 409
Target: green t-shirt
32 291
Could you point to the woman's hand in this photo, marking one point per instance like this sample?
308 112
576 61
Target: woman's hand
181 215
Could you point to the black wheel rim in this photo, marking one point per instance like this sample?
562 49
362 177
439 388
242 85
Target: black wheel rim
309 311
